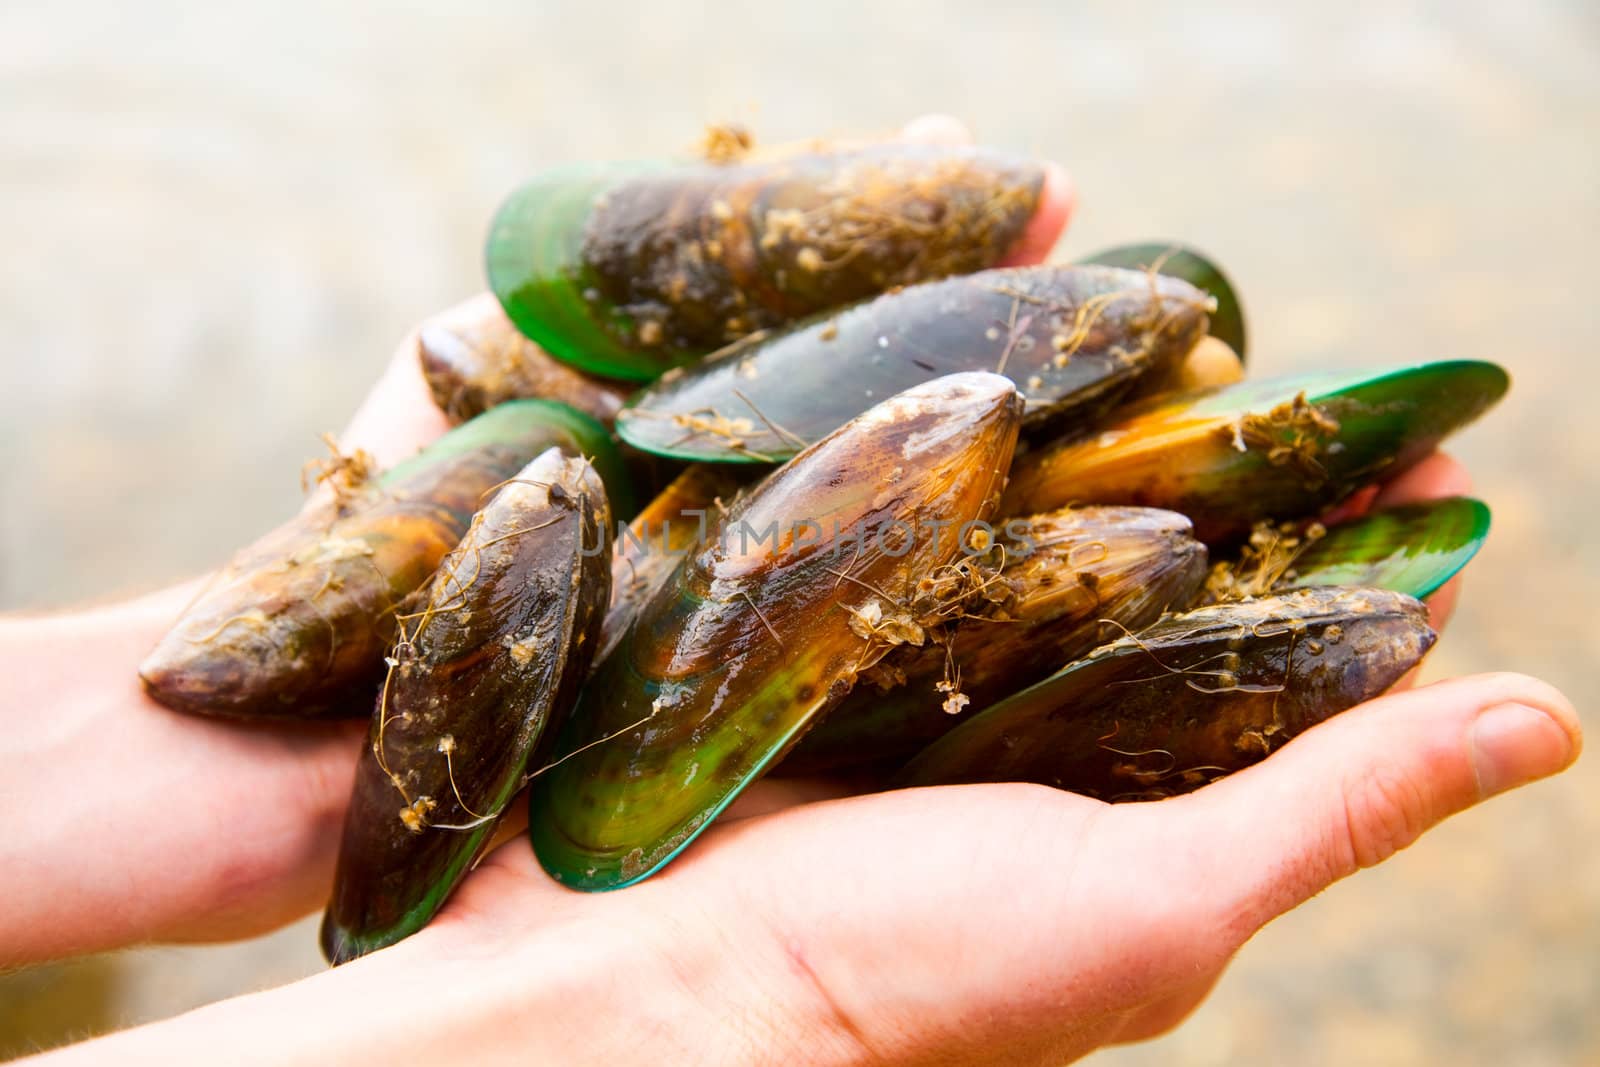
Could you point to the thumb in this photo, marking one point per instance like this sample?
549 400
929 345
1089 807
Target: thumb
1357 789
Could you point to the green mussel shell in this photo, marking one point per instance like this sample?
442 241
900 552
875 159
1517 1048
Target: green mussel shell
1412 549
1073 339
1194 267
1278 449
488 665
626 270
297 624
758 633
1190 699
1069 581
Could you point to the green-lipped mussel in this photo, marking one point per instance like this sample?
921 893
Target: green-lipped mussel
297 624
626 270
1189 699
1057 585
1276 449
488 663
1073 339
474 358
759 632
1193 266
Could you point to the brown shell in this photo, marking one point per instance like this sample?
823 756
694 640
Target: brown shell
474 358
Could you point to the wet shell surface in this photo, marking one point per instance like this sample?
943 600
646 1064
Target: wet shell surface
1074 340
1056 586
487 665
626 270
755 635
1191 698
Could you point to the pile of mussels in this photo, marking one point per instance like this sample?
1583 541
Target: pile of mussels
915 517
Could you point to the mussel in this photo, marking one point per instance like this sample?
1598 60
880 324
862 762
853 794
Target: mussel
1073 339
1277 449
473 358
1189 699
1177 260
1054 587
487 665
297 624
771 622
629 269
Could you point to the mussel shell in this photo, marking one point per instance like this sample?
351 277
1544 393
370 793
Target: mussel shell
1190 699
1070 581
755 635
1073 339
474 358
297 624
1196 268
1411 549
668 528
489 663
627 270
1281 448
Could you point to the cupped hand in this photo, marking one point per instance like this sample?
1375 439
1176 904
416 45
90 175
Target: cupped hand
1016 923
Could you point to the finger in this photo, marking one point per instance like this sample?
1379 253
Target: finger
1442 604
398 416
1058 201
1436 477
1352 507
1355 790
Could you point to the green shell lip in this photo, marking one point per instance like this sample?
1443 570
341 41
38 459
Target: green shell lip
534 260
1412 549
1479 382
1193 266
590 874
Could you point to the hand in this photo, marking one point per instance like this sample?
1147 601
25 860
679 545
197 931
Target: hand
129 822
1007 923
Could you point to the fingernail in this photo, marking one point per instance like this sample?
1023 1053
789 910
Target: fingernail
1513 744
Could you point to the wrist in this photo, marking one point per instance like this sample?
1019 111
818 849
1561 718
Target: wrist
127 822
578 992
625 983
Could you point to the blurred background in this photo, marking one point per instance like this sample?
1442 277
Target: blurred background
220 218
